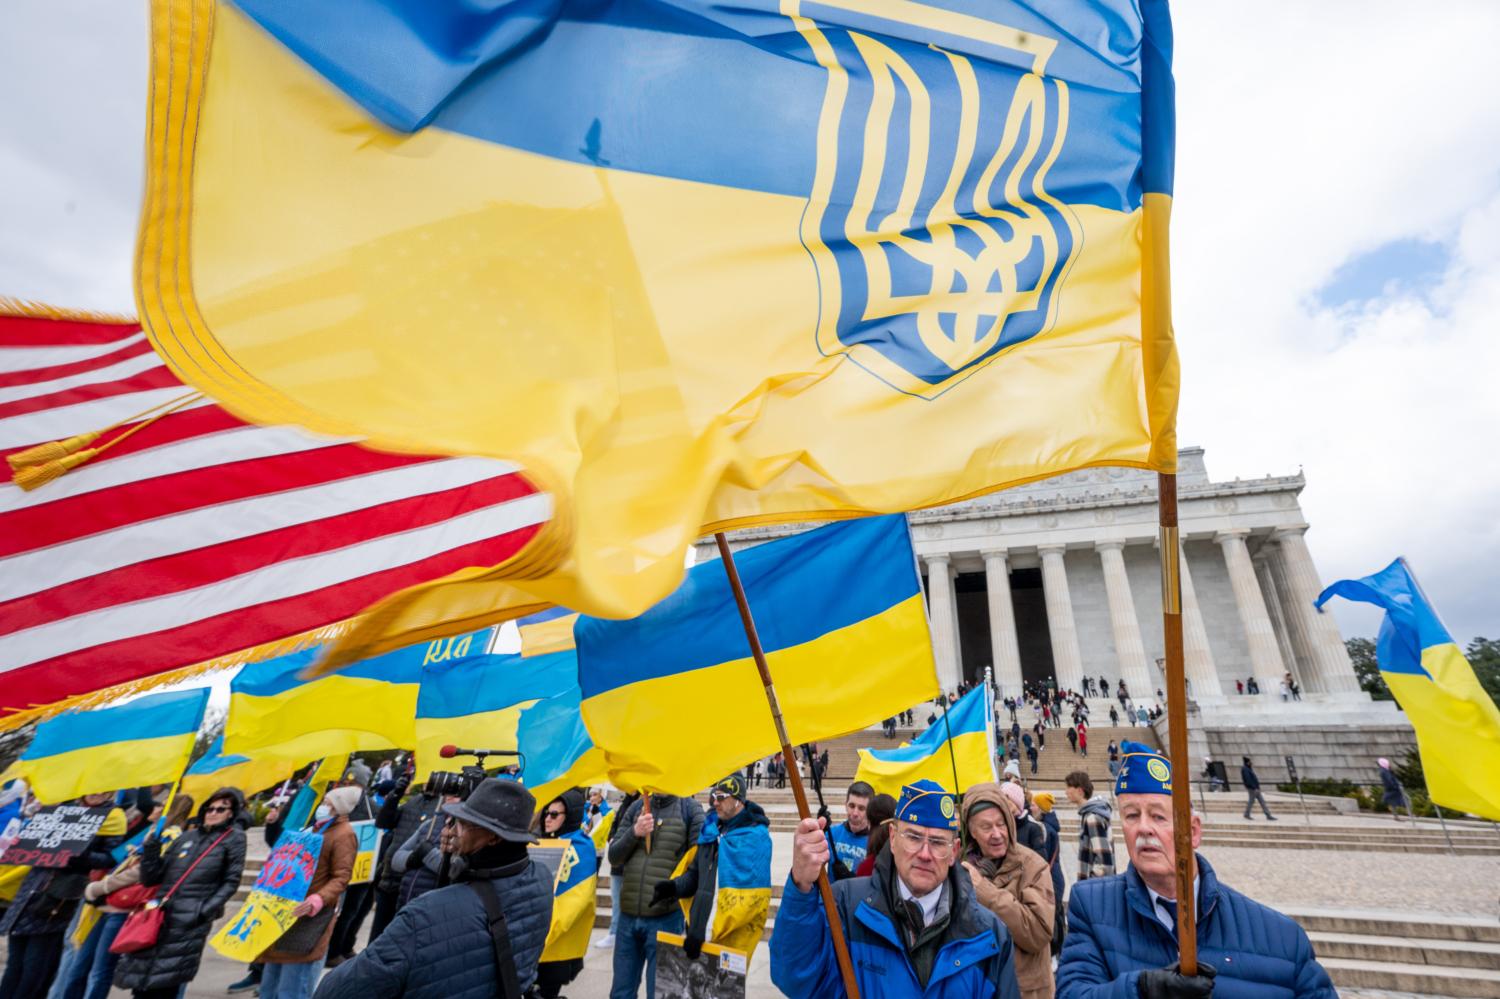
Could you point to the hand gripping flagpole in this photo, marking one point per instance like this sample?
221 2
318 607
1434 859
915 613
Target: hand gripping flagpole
840 945
1182 802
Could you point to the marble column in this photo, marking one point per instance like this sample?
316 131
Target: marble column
1198 657
1330 658
1067 660
1004 648
940 614
1284 638
1130 650
1265 656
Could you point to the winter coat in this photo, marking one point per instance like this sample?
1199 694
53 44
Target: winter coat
1096 851
701 880
197 902
1030 834
1018 889
974 952
419 861
1248 778
330 879
1394 795
678 823
401 819
560 973
1257 952
1052 852
48 897
439 946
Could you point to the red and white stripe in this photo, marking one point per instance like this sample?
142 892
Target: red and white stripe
201 535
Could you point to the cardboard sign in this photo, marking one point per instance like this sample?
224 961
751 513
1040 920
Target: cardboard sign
719 972
56 835
364 857
279 888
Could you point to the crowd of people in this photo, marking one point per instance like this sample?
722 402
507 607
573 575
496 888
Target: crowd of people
938 894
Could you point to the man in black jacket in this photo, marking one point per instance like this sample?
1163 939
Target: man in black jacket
673 824
1252 789
445 943
399 820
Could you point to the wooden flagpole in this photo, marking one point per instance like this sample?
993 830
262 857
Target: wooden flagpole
1182 802
840 944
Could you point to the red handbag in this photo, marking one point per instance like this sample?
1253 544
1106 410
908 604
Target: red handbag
131 896
142 927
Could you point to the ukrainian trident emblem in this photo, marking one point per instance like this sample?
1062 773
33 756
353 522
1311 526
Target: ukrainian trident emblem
936 244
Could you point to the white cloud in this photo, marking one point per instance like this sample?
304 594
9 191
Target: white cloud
1309 133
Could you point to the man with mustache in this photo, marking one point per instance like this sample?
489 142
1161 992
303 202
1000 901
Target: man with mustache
1122 931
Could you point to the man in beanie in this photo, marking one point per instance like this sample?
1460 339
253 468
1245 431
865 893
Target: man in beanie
481 936
1044 804
1122 932
734 856
914 927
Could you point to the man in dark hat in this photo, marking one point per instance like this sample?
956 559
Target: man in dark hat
1122 931
482 936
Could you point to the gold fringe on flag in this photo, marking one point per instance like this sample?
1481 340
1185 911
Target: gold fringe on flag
25 308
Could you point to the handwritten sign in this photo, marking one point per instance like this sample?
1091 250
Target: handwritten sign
364 857
280 887
55 835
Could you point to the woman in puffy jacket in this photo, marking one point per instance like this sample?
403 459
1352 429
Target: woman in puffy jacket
1013 882
208 860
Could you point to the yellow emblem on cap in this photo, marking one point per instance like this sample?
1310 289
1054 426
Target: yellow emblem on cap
945 804
1158 769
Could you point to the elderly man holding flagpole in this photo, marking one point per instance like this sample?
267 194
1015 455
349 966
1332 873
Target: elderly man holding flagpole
1122 931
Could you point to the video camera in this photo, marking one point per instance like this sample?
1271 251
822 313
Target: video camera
463 782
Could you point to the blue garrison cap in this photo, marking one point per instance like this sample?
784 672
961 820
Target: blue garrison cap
927 803
1143 770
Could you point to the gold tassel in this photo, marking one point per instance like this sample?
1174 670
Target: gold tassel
35 476
52 450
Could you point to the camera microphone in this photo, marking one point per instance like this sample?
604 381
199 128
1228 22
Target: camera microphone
448 752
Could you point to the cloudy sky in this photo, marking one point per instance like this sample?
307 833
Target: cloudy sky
1336 262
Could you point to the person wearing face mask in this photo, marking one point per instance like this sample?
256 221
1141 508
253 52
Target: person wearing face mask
292 963
201 868
1013 882
1122 931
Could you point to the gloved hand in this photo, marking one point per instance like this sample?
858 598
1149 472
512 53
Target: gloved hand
1170 983
692 946
664 891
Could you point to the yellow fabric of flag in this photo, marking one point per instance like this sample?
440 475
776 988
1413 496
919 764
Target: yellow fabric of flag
765 289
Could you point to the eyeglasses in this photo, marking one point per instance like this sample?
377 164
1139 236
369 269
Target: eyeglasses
217 808
554 815
940 846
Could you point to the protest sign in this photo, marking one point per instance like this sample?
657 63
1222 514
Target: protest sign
55 835
718 973
364 857
279 888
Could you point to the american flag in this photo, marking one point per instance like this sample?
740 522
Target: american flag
201 536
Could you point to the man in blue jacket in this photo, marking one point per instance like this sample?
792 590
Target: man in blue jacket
1122 931
914 927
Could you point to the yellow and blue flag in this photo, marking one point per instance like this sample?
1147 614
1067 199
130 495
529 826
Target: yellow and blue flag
958 746
557 751
216 769
145 741
1457 723
844 627
692 265
274 706
575 887
479 701
743 901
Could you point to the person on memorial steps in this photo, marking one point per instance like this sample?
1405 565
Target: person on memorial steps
700 882
202 869
1122 931
1012 881
914 927
849 838
673 825
448 944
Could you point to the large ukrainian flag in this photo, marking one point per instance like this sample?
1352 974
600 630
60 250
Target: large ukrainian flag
216 769
146 741
694 265
1457 723
673 699
959 745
